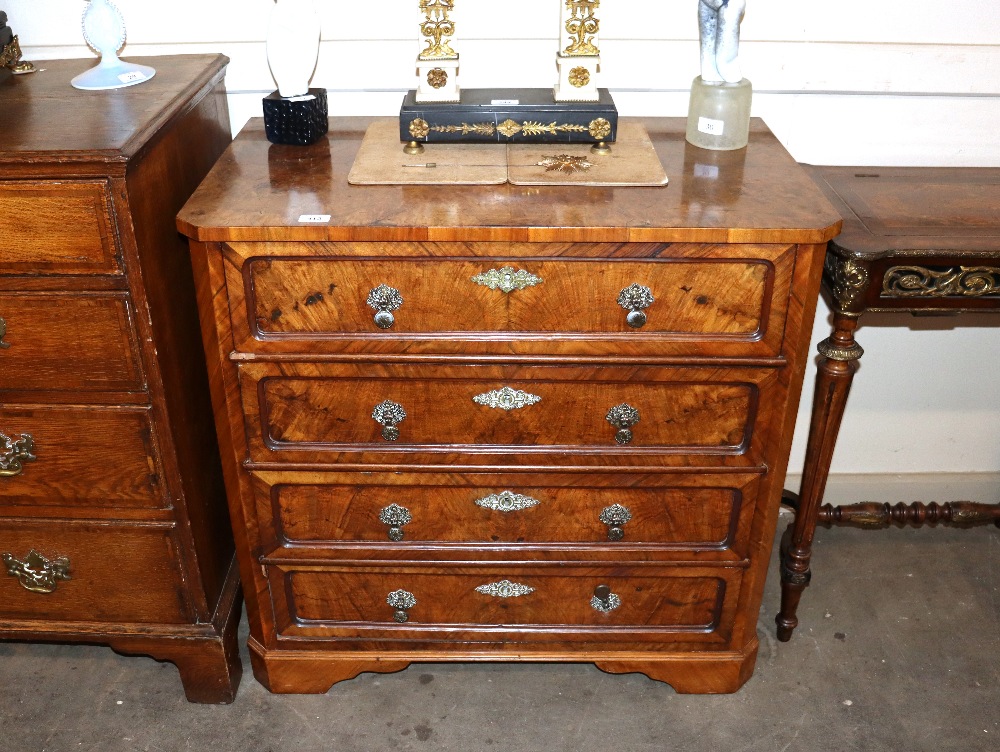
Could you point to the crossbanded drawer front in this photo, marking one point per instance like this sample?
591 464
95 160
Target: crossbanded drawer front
88 572
698 514
85 458
324 408
62 228
67 342
682 297
321 601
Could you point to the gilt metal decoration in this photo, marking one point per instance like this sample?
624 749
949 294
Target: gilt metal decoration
923 282
507 279
506 399
505 589
507 501
437 28
14 453
582 27
565 163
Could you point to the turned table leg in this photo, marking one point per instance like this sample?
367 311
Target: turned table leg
833 382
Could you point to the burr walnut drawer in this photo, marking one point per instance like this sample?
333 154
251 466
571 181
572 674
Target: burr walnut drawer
98 458
310 412
502 602
450 515
57 228
67 342
116 573
687 298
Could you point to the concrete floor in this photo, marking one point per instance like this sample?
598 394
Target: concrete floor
898 649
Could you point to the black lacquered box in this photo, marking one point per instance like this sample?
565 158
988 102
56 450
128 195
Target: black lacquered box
509 116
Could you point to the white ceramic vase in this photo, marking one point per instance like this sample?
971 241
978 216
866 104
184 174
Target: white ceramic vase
293 45
104 31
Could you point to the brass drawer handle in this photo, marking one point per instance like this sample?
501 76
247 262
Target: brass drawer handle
604 600
13 453
384 300
635 299
623 417
395 516
506 399
401 601
507 279
3 333
36 573
507 501
505 589
389 414
615 517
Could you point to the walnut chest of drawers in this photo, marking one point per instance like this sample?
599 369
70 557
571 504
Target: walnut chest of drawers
505 423
113 525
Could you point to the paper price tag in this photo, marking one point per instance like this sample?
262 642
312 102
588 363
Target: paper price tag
710 126
706 171
505 101
314 219
127 78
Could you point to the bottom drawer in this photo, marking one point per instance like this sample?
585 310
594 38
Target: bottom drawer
512 603
89 572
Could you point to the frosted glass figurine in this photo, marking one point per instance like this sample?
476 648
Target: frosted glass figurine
104 31
293 45
719 28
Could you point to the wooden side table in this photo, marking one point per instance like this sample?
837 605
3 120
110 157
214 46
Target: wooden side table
918 239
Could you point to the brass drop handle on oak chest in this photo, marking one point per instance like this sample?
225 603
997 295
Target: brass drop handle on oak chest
37 573
635 299
615 517
395 516
389 414
623 417
3 333
401 601
14 453
604 600
384 300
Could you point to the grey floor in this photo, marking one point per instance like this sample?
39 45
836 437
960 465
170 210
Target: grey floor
899 649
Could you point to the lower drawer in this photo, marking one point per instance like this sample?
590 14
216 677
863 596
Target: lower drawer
89 572
376 515
519 602
97 458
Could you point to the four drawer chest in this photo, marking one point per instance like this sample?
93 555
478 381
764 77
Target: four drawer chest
501 423
113 525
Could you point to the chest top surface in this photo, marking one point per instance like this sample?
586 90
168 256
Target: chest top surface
258 191
44 119
914 210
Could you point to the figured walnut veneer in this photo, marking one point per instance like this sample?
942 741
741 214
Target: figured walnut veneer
473 528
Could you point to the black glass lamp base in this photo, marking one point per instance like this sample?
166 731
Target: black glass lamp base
296 120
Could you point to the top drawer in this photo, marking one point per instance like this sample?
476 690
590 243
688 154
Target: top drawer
57 228
689 299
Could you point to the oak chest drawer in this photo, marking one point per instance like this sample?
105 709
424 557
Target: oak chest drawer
67 342
682 296
57 228
89 572
95 458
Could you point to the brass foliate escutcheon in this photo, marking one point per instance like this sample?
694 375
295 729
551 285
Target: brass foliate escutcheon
507 279
615 517
604 600
395 516
623 417
636 299
37 573
3 333
401 601
14 453
507 501
384 300
506 398
389 414
505 589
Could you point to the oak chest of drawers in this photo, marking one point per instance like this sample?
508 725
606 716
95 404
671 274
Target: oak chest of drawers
505 423
113 525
